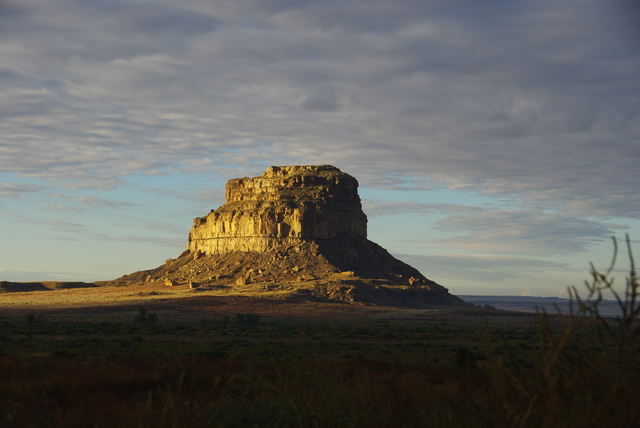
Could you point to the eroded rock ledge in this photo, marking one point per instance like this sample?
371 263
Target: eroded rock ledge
284 207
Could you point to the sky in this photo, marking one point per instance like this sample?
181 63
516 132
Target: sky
496 143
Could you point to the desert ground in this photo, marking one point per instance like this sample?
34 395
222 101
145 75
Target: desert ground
182 302
152 355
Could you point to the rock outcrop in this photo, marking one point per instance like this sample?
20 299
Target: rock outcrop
286 206
295 232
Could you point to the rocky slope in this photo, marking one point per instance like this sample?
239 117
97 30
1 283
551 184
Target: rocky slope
295 232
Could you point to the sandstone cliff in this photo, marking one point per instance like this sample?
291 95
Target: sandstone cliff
294 232
286 206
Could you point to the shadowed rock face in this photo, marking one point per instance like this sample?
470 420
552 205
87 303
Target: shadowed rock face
286 206
14 287
295 232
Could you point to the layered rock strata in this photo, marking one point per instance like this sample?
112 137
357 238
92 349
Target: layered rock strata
286 206
295 232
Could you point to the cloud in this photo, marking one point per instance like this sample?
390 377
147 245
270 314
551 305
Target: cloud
87 202
17 189
523 232
67 228
488 230
539 102
167 242
323 99
73 231
211 197
481 268
375 208
146 224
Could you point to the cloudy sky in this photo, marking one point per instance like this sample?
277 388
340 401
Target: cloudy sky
497 143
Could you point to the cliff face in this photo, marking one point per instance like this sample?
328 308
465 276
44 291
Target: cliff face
285 206
295 232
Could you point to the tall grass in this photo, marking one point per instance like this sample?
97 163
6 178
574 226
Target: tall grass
587 372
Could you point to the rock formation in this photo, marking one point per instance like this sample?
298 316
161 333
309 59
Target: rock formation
286 206
295 232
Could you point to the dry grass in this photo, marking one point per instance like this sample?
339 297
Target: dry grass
163 299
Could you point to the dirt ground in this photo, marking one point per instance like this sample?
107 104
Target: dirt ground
182 302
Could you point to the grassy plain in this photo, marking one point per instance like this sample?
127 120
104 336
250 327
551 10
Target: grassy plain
92 357
200 364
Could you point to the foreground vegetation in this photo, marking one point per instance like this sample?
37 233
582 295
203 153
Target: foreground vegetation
577 369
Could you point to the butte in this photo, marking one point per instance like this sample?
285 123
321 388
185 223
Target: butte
295 233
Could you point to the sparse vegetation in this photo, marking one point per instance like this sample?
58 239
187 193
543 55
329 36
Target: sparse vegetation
587 370
142 316
446 369
33 318
247 319
465 358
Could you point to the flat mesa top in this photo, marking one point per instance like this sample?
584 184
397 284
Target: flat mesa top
319 170
304 180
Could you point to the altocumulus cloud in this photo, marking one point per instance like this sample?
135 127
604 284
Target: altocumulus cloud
484 268
16 189
535 103
524 232
375 208
537 99
86 202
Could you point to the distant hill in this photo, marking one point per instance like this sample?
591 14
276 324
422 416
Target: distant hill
16 287
531 304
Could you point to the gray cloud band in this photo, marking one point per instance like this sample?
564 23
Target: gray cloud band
537 101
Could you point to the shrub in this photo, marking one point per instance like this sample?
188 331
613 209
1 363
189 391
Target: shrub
586 373
465 358
142 316
32 318
244 319
252 318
